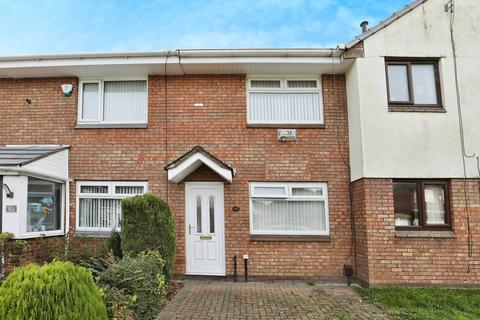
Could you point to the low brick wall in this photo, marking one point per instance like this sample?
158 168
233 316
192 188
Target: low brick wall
45 249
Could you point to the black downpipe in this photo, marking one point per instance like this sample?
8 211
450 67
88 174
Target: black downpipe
245 262
235 268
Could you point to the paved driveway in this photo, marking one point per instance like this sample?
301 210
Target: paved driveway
201 300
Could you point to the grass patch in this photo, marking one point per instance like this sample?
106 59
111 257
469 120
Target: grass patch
425 303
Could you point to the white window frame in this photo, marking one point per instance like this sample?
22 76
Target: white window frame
290 197
101 86
284 89
109 195
24 234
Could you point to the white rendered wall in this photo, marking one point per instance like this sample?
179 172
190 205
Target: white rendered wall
417 145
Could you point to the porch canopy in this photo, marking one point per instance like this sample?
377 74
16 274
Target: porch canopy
43 161
182 167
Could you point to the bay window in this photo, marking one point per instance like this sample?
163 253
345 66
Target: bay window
278 208
44 205
99 203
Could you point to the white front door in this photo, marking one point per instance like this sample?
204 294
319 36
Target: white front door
205 235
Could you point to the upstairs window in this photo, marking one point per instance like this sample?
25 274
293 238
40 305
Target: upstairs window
421 204
413 83
112 102
278 208
99 206
284 101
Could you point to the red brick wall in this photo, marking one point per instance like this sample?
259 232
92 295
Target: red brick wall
383 258
174 127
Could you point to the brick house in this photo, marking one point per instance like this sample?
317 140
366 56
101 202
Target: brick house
302 159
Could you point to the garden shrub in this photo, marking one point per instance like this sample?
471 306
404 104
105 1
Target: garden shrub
58 290
115 244
119 303
148 224
141 278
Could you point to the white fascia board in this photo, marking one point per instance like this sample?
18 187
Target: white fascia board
180 172
16 171
173 57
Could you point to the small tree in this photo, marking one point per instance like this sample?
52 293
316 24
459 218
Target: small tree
148 224
58 290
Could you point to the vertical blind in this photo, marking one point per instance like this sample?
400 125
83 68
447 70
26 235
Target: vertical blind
125 101
285 107
100 213
129 189
283 215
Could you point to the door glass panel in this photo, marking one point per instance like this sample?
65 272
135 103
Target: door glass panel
211 207
199 214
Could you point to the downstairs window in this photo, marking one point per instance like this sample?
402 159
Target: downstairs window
421 204
44 205
99 203
288 209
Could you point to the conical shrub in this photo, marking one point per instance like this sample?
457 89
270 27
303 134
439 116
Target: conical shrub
56 291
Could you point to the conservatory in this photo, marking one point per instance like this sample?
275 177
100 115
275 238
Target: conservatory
34 190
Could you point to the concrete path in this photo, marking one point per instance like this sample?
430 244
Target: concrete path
202 300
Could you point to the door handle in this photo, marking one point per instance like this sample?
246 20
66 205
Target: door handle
190 228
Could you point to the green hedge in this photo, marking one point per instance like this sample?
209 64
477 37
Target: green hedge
56 291
148 224
136 283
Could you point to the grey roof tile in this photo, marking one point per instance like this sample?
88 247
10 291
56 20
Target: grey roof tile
22 155
384 23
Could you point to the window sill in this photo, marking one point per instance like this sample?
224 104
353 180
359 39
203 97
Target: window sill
416 109
424 234
290 238
285 125
35 235
110 125
93 234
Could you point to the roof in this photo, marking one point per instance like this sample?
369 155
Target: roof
22 155
192 160
395 16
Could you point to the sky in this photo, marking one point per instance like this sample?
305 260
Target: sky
54 26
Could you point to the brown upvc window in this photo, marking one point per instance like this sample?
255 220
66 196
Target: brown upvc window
421 204
413 83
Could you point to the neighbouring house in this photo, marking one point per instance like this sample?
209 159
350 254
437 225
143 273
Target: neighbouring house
303 161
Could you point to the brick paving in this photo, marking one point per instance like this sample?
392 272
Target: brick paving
206 300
